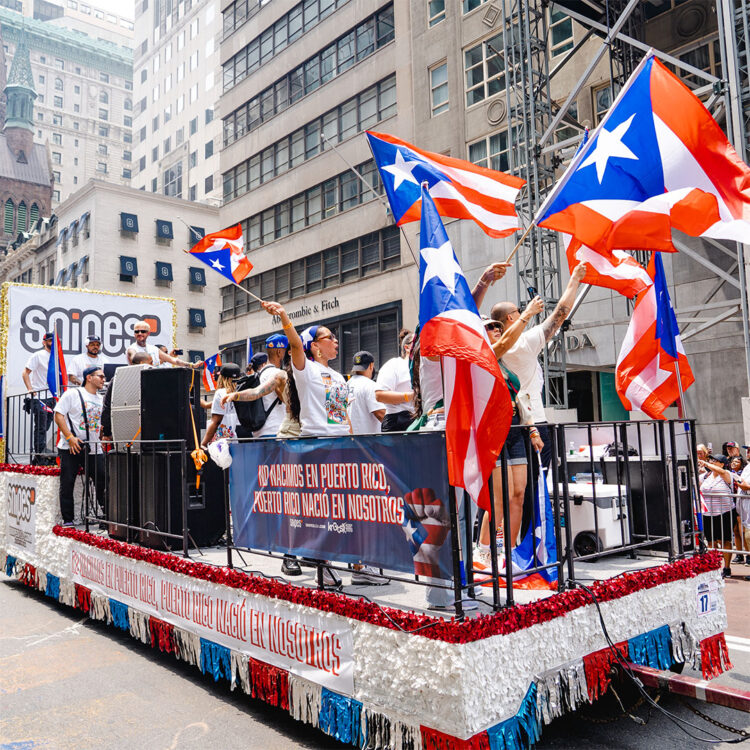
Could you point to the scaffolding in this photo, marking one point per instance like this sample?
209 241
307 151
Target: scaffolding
536 151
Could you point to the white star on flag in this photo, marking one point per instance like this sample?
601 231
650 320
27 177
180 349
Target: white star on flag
215 263
402 170
609 145
441 264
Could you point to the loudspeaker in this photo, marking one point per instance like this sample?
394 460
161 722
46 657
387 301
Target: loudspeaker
166 403
126 403
123 479
160 500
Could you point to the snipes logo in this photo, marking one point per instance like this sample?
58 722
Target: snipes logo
20 501
114 329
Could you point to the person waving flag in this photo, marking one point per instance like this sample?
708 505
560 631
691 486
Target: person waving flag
224 251
477 404
658 161
459 189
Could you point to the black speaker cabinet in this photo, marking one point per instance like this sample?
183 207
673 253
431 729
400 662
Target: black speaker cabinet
160 500
123 479
648 494
166 400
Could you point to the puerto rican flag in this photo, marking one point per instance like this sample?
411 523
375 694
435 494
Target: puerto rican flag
477 404
646 376
620 271
460 189
57 373
224 251
210 366
658 161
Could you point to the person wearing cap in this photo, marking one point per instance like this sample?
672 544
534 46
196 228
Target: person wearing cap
35 379
730 449
78 417
395 375
224 420
365 411
268 366
92 357
141 332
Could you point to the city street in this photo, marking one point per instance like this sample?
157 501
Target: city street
69 682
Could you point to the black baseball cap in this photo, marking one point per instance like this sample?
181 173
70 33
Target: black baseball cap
362 360
48 336
230 370
258 360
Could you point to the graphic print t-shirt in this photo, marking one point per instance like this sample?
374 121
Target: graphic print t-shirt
69 406
229 422
323 397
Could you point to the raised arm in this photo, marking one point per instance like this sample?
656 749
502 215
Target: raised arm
552 323
296 350
491 274
515 329
275 383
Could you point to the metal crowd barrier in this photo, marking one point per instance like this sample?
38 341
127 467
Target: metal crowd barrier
30 428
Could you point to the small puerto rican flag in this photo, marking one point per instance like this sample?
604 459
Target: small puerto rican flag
224 251
210 366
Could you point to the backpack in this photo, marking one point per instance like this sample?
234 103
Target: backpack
251 414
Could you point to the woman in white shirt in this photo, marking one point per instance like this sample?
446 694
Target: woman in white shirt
718 512
224 419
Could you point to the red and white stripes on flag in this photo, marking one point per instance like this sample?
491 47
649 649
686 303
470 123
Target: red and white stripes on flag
620 271
645 378
478 410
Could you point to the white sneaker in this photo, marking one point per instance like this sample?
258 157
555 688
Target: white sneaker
482 558
368 576
331 579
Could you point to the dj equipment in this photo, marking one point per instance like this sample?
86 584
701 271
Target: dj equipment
126 405
123 477
166 400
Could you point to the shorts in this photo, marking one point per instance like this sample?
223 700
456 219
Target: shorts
719 528
514 449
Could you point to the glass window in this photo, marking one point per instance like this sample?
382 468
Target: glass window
331 267
345 52
330 197
370 253
313 273
349 190
561 31
349 261
439 88
435 12
368 109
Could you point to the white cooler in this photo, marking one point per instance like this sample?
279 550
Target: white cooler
611 504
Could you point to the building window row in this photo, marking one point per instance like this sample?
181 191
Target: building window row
310 207
241 11
360 42
302 18
351 117
18 218
484 71
365 256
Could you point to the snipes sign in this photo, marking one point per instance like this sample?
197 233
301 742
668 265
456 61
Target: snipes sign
32 311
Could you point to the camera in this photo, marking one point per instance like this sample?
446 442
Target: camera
177 352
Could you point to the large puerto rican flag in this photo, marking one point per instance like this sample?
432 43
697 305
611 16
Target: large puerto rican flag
658 161
477 404
460 189
646 375
224 251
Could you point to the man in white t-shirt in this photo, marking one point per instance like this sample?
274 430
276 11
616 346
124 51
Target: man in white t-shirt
365 411
141 331
92 357
224 420
523 357
35 379
78 417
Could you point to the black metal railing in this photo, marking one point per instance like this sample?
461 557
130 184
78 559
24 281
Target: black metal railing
30 431
614 488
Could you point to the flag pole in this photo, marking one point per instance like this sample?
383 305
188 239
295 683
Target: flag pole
371 189
247 291
520 242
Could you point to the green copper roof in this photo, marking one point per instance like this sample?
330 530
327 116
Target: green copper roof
68 43
20 70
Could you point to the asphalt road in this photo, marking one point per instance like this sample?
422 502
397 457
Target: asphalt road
67 682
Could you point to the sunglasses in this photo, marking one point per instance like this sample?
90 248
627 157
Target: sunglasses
327 336
140 330
494 327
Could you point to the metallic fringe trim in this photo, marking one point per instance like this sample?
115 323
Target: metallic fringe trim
67 593
379 732
561 691
139 626
684 644
41 579
304 700
188 646
240 672
100 608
